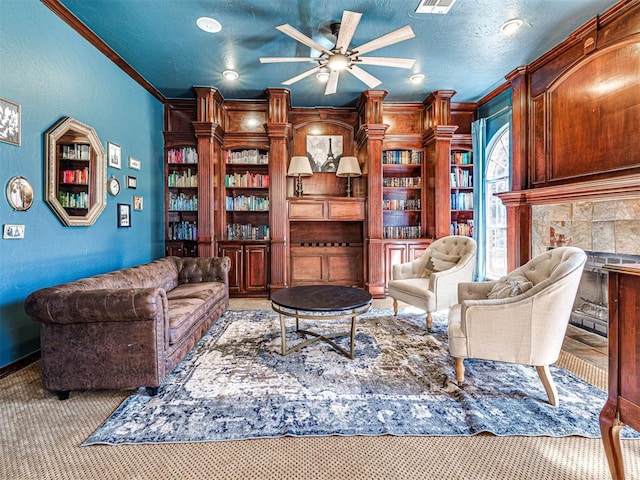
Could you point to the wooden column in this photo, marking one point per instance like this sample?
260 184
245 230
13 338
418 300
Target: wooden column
369 138
209 131
519 216
279 131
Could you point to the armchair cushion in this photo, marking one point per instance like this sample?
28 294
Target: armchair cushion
510 285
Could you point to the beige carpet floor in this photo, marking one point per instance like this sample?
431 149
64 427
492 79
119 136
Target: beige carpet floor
40 438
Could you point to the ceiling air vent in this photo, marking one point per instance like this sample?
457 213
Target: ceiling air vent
435 6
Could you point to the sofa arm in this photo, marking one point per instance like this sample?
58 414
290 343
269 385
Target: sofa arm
203 269
53 305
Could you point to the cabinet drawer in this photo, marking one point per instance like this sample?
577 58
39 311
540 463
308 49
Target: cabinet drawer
341 210
307 210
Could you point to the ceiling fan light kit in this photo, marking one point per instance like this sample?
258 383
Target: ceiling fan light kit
341 57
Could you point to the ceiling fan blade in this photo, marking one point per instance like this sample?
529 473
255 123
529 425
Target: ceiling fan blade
348 27
404 33
288 59
302 38
332 83
301 76
387 61
364 77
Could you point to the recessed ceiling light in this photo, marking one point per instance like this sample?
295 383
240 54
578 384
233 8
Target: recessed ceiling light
416 78
322 76
230 75
209 25
511 26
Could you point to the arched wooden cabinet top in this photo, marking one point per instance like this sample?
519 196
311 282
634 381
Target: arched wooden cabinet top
75 173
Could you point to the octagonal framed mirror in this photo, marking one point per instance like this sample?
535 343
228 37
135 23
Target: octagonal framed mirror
75 173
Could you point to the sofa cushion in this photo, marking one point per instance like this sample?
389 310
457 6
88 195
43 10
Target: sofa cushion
510 286
188 303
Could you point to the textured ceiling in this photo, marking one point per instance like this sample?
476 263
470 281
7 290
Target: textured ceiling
463 50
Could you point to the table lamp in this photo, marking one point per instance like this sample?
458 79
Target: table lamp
348 167
299 167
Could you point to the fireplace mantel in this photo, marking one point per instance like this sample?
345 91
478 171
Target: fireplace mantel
620 188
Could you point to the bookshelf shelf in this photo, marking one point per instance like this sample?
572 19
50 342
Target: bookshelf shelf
461 186
402 193
182 228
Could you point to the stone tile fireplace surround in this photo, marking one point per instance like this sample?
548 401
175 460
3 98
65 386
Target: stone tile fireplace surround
608 230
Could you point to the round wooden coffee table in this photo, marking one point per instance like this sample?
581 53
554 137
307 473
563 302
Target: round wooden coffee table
320 302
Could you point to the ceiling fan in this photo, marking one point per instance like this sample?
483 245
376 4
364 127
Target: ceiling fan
341 57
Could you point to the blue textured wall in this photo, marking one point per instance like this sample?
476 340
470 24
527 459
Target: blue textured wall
52 72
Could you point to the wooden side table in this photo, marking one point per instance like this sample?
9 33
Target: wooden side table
623 403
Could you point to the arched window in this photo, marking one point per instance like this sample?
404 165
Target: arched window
497 180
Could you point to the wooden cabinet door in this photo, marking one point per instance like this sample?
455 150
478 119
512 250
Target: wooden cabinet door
256 268
173 249
416 249
393 253
234 252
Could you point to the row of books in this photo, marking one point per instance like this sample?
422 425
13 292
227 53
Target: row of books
182 155
405 231
462 201
75 151
247 231
183 230
253 156
462 228
182 202
79 176
403 182
402 157
251 180
462 158
73 200
393 204
245 203
182 179
461 178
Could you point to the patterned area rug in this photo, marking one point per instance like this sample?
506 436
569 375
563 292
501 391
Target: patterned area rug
235 385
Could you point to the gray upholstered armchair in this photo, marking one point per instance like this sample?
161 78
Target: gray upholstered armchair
521 318
431 281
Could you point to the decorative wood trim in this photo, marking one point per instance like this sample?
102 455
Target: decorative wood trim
619 188
73 21
493 94
19 364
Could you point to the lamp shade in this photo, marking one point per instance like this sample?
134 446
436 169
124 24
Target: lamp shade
299 166
348 167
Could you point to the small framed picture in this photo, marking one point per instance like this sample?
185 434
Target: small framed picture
19 194
124 215
134 163
13 231
10 120
137 202
114 153
132 182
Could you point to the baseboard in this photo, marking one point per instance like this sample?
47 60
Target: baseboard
19 364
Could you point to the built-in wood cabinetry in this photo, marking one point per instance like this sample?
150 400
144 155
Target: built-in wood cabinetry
246 208
326 240
461 184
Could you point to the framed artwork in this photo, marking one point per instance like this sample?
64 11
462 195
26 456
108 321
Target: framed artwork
114 154
124 215
132 182
324 152
134 163
137 202
10 122
19 194
13 231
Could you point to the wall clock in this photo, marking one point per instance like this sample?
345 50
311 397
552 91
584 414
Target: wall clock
113 186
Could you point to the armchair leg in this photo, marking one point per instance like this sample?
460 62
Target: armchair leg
459 368
395 307
550 387
429 321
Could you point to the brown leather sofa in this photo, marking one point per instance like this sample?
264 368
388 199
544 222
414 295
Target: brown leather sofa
130 327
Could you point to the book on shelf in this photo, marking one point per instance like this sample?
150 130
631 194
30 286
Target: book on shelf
251 156
402 157
247 231
246 180
462 228
462 201
462 158
75 151
243 203
182 155
402 232
183 202
461 178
